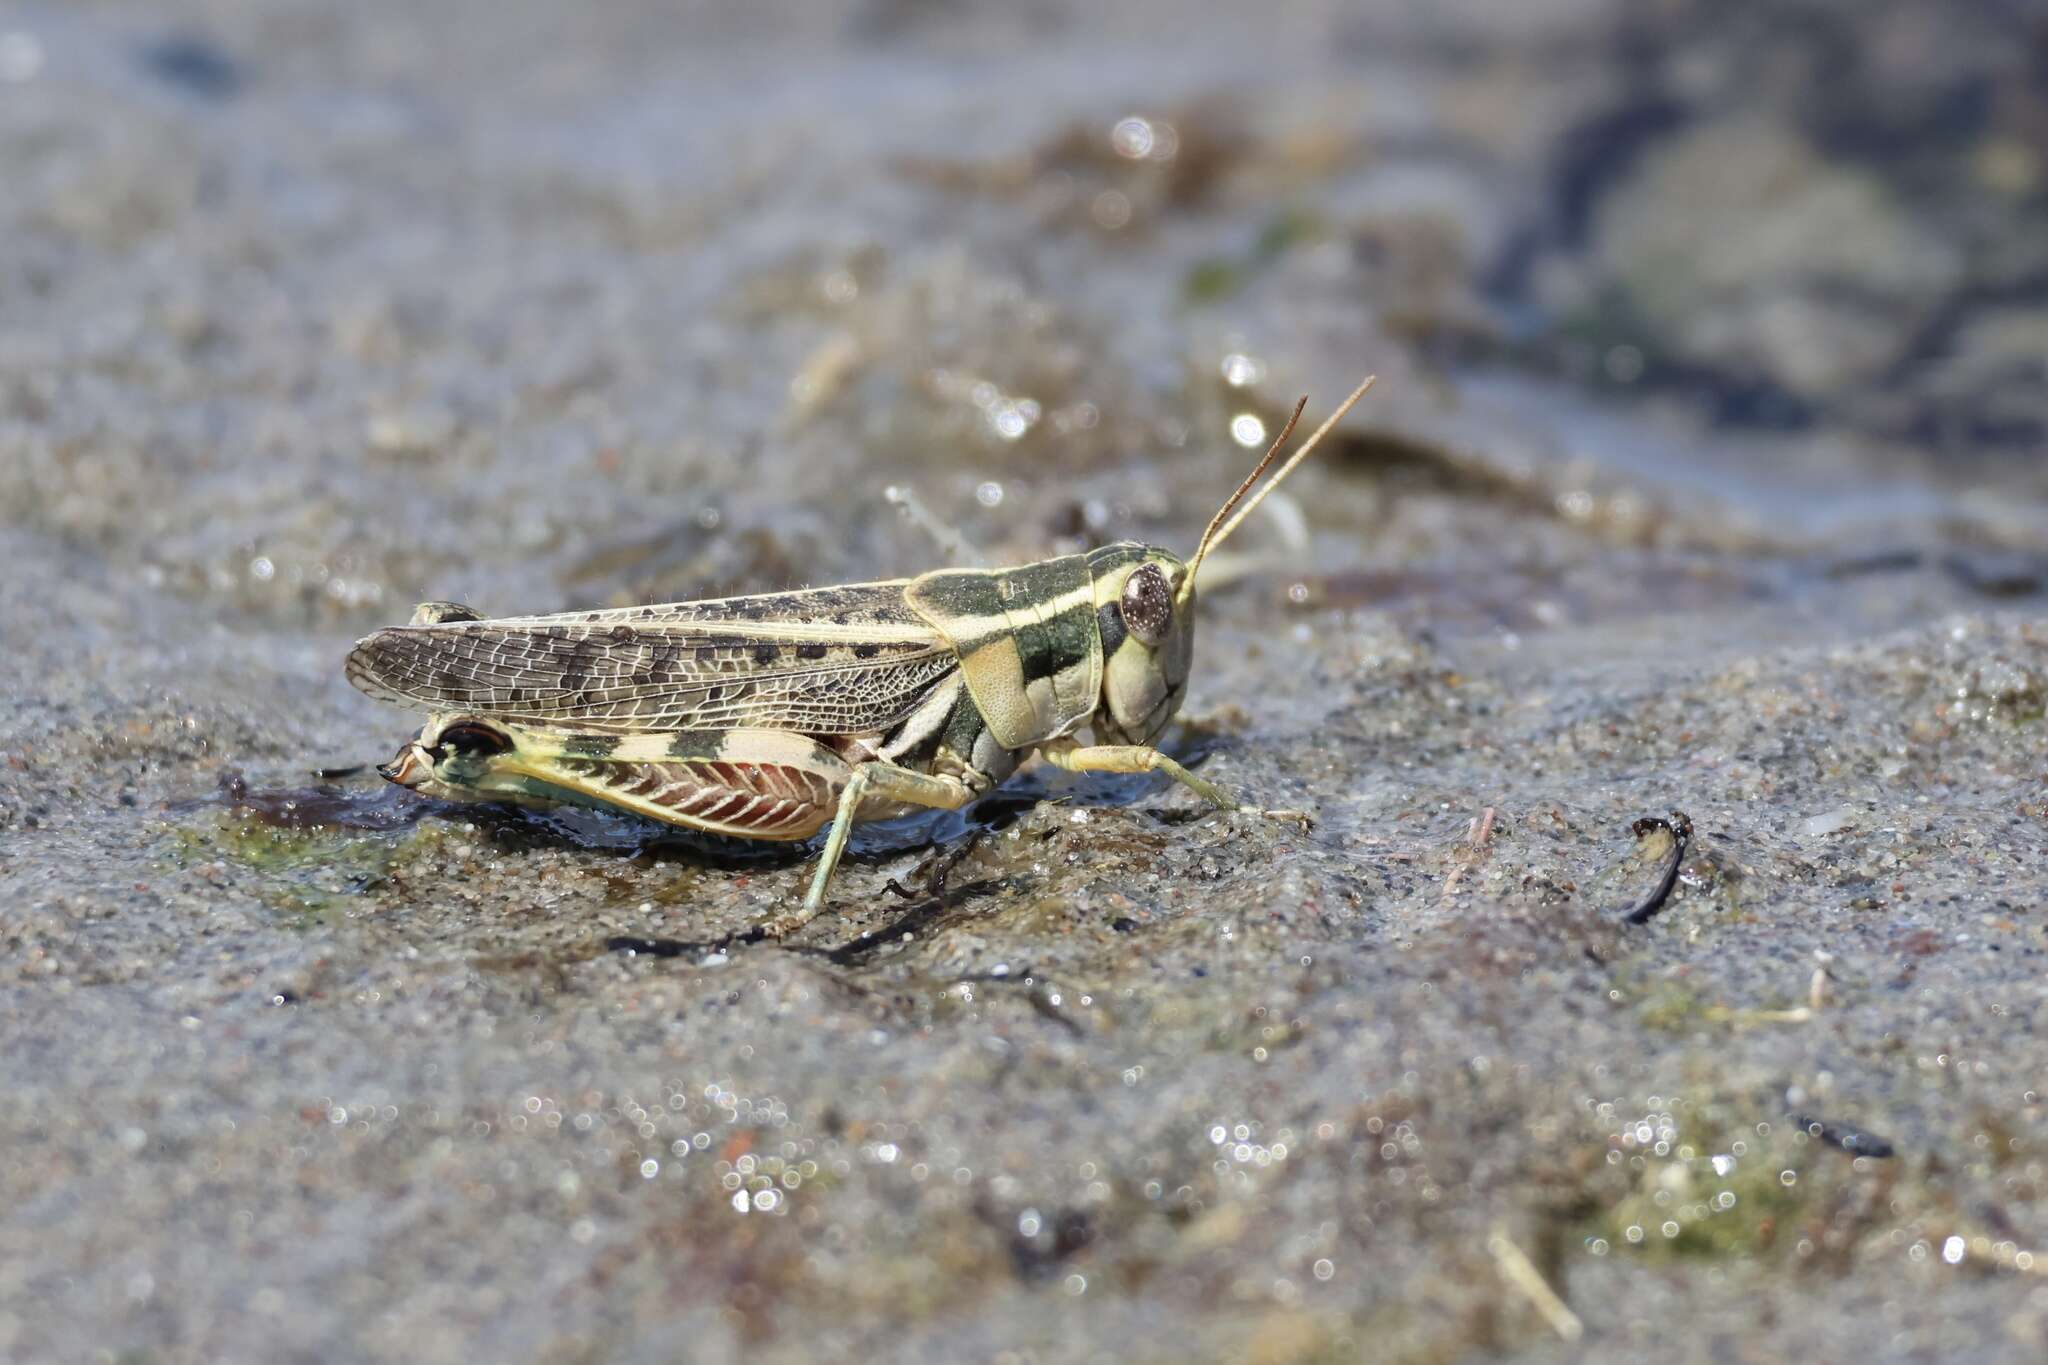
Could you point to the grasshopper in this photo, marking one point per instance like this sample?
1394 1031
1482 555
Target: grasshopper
774 716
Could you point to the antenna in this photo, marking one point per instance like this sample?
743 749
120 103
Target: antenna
1213 537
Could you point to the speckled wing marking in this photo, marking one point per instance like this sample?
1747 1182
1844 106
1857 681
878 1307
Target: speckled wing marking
827 661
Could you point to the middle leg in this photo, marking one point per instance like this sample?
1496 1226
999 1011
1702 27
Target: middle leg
1142 758
870 781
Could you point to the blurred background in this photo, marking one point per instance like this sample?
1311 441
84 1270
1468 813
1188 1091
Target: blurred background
632 295
1706 464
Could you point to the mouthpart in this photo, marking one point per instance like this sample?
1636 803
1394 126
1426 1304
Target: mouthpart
412 765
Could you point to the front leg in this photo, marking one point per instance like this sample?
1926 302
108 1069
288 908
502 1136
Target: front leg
883 782
1142 758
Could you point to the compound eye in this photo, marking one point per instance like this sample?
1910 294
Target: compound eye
471 737
1147 604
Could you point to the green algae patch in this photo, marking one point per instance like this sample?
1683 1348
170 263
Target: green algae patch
1764 1191
1713 1205
307 873
1671 1008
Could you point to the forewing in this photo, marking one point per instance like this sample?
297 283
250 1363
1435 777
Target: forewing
845 660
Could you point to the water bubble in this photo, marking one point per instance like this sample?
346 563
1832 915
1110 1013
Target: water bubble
1248 430
1240 369
989 494
1111 209
1012 420
1132 137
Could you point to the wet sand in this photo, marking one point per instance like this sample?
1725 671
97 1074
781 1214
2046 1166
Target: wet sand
1676 495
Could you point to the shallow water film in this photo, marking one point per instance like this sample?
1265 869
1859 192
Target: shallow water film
1660 647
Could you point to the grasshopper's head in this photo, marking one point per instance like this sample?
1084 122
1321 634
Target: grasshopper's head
1145 604
449 758
1148 639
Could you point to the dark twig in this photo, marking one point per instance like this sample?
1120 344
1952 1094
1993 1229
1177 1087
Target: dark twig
1679 827
920 914
1042 1004
678 947
931 874
1038 994
1854 1141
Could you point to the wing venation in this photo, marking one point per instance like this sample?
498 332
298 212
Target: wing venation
847 660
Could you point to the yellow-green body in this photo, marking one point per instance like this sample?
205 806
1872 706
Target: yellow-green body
772 717
777 716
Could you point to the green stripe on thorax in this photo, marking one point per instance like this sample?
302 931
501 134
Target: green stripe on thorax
1027 642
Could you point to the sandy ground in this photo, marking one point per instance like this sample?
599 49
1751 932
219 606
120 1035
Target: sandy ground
1704 477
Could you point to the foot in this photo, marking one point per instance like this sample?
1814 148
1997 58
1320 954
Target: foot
1303 818
789 922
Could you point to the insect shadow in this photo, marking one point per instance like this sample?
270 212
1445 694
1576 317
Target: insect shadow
949 835
324 804
335 799
934 902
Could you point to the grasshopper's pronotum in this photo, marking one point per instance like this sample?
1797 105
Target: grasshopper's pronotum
771 717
